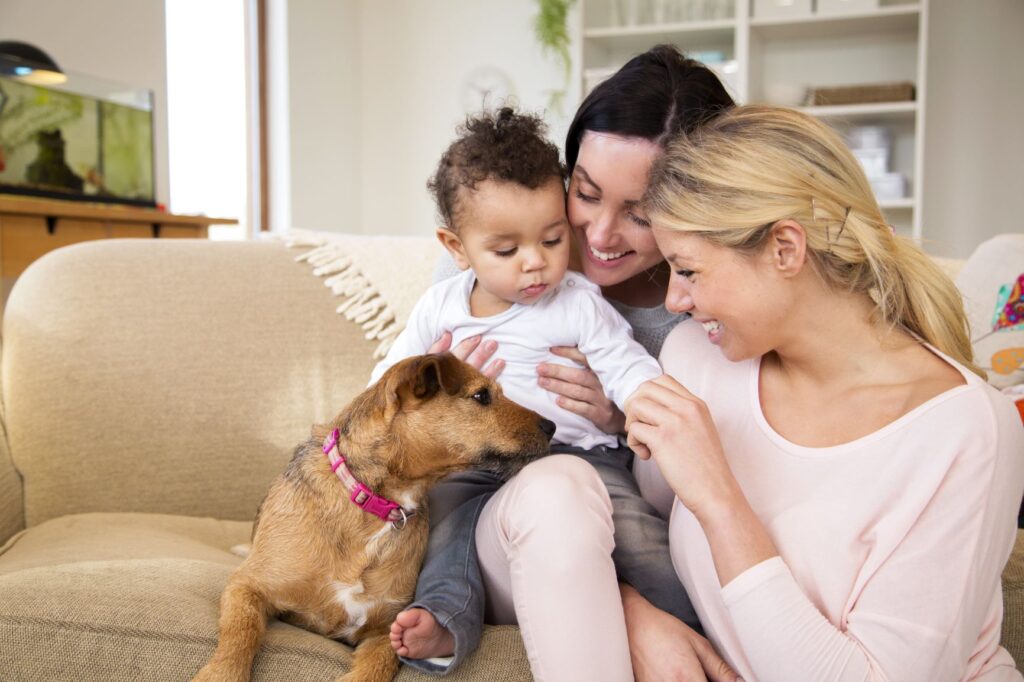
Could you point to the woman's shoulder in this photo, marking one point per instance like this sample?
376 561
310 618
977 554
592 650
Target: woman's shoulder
955 393
688 342
693 360
974 433
982 415
970 426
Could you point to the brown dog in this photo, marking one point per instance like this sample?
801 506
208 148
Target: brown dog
331 552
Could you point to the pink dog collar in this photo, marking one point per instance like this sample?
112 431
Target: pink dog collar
360 494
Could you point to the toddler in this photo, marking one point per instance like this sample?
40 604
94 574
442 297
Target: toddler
501 193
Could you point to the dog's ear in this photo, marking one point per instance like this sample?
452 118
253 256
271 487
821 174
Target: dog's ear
425 379
435 373
419 379
448 372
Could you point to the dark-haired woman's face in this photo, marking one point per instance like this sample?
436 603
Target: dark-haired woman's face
614 237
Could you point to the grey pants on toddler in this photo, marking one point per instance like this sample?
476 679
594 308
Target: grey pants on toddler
451 587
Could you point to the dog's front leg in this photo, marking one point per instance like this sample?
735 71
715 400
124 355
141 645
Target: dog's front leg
374 661
243 622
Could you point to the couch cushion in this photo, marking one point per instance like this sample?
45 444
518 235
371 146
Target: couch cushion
991 282
194 410
135 596
1013 603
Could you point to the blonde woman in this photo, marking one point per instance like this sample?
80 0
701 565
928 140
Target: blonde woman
844 483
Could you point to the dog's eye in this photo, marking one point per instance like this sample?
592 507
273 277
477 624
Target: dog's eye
483 396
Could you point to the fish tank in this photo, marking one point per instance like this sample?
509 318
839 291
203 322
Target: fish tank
84 139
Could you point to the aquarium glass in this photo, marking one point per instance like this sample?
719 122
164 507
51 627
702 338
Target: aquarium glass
85 139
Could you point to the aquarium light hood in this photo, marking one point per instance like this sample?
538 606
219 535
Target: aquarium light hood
29 64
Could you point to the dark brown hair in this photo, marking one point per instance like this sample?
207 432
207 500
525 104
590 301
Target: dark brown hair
655 96
503 145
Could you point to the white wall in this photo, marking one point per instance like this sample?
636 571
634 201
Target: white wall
324 163
376 93
416 56
116 40
974 134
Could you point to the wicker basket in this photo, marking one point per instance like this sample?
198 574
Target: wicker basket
862 94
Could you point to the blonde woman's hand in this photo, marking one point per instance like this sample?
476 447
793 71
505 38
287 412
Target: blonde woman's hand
663 647
580 391
667 422
472 351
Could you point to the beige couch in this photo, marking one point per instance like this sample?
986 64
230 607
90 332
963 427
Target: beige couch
151 390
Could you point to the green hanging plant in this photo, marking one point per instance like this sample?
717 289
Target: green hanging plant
551 29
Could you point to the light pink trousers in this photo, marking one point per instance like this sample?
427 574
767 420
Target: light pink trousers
545 544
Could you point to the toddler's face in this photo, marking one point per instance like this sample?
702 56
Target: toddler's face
516 240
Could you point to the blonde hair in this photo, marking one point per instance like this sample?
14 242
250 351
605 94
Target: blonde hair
737 175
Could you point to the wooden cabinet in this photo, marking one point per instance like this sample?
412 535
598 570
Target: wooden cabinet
30 228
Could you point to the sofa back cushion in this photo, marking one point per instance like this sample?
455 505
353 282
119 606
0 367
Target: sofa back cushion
991 283
169 376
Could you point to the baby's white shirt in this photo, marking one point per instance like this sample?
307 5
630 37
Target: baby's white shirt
572 314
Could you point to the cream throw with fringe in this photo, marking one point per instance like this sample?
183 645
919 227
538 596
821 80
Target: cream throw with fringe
380 278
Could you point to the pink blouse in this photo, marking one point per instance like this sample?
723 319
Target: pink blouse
891 546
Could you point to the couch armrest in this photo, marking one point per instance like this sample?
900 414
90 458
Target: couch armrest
169 376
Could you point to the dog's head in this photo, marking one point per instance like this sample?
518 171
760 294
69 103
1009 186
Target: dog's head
430 415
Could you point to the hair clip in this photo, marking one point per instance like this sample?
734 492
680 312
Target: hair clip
842 227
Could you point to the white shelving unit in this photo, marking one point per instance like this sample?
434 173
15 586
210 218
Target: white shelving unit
773 60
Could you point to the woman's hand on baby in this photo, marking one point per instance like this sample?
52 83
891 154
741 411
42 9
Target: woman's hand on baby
666 421
472 351
580 391
663 647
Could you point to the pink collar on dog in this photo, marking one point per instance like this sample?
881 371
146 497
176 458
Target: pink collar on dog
362 496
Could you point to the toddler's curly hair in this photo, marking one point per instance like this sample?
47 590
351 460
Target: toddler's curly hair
503 145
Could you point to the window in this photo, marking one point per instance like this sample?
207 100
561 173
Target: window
207 112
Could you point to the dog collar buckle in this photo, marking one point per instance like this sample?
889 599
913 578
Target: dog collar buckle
361 495
368 501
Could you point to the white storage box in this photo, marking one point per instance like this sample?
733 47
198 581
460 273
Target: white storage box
846 6
861 137
889 186
781 8
874 160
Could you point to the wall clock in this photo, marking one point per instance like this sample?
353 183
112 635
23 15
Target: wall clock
487 87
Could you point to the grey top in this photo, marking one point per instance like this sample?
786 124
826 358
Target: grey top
650 325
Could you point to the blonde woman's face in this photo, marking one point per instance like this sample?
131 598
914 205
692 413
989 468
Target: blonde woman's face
605 189
734 296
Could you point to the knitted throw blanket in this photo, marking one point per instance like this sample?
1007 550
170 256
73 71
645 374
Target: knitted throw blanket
380 278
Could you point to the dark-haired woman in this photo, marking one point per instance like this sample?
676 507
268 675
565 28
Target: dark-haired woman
544 541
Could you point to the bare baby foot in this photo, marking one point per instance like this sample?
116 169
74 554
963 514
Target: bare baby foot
417 634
